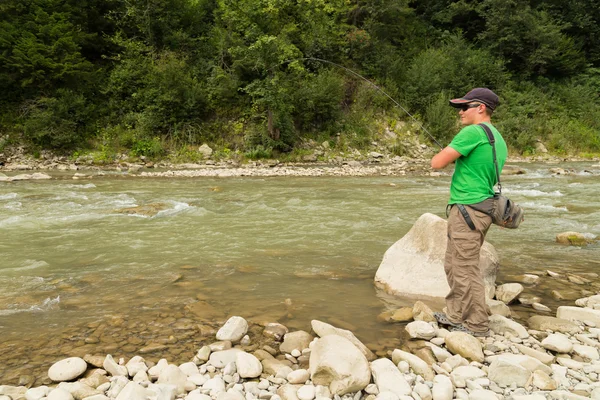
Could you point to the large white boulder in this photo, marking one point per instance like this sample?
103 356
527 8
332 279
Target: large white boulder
337 363
414 265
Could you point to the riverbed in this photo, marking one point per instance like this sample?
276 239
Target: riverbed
78 275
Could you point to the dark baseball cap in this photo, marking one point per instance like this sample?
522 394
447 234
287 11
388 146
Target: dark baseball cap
481 95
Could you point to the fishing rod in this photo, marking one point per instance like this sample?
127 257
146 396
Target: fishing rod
420 125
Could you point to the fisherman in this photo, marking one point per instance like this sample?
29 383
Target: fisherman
471 193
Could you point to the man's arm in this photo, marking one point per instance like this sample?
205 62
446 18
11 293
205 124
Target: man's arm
444 158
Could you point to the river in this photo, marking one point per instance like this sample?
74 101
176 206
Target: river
78 277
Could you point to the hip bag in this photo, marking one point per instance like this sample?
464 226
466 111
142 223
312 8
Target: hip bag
505 213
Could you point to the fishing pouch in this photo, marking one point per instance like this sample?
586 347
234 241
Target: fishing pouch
504 212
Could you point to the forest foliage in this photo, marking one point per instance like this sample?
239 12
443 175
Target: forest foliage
152 77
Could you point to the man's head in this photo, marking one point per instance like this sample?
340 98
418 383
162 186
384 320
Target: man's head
476 106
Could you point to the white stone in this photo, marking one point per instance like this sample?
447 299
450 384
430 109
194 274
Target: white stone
299 376
508 292
172 375
135 365
248 366
578 314
297 340
439 353
230 394
59 394
36 393
419 366
557 342
230 368
420 330
569 363
189 368
214 385
220 359
423 391
336 362
586 352
543 381
155 371
414 265
540 307
205 150
234 329
203 354
141 376
501 325
536 396
113 368
465 345
67 369
542 356
443 389
116 386
133 391
588 302
505 373
388 378
387 396
306 392
78 390
324 329
525 361
460 375
163 391
196 395
482 394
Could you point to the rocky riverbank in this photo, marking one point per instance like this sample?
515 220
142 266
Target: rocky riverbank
321 161
551 358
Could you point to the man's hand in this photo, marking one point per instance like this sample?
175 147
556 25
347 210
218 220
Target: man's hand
444 158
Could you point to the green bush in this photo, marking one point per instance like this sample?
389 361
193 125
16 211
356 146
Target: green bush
259 152
317 101
58 122
151 148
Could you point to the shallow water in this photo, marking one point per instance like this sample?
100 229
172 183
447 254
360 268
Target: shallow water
78 277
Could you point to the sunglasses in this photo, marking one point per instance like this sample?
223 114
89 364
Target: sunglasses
465 107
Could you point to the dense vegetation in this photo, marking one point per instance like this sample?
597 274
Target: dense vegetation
149 77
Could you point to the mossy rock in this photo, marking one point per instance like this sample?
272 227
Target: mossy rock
573 239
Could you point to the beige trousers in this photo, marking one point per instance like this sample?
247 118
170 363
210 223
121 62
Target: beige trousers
466 301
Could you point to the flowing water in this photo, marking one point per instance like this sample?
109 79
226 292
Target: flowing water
77 276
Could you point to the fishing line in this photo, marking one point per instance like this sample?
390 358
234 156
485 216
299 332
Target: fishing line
420 125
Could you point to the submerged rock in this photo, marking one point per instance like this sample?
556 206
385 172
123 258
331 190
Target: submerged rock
147 210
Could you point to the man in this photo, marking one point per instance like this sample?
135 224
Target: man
470 202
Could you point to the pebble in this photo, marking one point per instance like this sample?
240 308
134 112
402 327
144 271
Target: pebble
480 368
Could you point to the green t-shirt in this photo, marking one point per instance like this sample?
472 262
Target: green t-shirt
474 174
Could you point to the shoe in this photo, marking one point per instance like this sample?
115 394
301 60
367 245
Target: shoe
442 318
462 328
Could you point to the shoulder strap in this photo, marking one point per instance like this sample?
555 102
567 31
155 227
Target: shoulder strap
492 140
